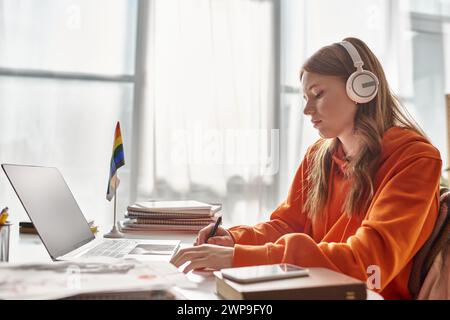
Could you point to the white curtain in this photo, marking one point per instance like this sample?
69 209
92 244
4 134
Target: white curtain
57 110
208 117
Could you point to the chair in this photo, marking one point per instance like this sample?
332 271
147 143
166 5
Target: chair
430 274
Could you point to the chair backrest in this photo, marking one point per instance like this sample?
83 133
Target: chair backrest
434 252
436 285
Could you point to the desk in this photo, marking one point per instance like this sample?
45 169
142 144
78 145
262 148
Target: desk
29 248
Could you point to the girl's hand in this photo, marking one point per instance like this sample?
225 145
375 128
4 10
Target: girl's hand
204 256
222 237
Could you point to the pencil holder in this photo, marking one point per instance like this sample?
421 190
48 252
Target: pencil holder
5 230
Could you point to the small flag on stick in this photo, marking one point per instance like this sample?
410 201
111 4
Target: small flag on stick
117 161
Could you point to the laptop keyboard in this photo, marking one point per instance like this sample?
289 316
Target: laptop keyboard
111 248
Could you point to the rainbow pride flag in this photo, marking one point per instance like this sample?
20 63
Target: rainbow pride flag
117 161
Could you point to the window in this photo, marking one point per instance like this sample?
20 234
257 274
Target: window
430 27
66 77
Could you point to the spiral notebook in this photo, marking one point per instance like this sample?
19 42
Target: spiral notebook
171 216
178 207
202 222
134 227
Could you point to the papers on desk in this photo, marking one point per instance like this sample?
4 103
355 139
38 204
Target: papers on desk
90 277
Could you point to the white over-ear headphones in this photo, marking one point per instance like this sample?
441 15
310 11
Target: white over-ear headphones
362 85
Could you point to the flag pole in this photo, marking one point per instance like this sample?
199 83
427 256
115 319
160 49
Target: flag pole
114 233
115 200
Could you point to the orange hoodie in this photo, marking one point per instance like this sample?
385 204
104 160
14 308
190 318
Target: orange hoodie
397 223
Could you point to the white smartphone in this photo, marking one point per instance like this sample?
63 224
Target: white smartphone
264 272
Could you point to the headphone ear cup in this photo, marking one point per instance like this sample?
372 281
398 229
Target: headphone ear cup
362 86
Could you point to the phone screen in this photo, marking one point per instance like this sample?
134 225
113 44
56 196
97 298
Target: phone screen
264 272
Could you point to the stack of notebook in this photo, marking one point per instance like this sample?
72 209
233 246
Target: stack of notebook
183 215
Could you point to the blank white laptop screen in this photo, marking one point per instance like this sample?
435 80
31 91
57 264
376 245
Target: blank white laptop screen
51 207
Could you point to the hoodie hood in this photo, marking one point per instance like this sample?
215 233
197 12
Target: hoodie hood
395 140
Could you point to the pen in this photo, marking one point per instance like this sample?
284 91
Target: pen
214 229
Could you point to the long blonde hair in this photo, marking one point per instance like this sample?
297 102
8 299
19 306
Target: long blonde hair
372 119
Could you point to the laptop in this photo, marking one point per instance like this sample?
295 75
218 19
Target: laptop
62 226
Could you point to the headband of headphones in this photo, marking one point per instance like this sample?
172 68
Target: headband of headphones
356 58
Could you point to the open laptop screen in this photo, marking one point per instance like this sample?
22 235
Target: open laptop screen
51 207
